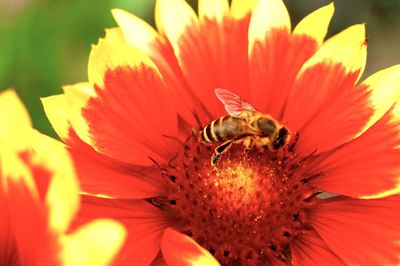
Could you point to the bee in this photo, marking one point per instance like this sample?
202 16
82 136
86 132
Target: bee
242 124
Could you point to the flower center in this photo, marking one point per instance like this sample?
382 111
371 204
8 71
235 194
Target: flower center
245 210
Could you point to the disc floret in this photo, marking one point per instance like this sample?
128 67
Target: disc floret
247 209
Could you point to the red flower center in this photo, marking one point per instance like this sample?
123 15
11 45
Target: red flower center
247 209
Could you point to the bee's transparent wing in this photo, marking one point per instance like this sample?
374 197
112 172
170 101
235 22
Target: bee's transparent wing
233 103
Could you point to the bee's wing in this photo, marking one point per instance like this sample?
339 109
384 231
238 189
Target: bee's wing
233 103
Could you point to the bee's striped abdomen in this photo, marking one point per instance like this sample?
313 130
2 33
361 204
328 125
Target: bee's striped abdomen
212 132
205 134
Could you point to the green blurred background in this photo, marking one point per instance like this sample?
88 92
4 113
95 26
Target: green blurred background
44 44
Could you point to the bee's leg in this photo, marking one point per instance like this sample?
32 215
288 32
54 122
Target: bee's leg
249 143
218 152
263 143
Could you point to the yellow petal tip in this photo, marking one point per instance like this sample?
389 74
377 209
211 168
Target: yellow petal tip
316 24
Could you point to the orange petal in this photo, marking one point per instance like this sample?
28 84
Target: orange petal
144 224
65 111
274 63
384 86
62 195
28 227
77 96
267 15
311 250
173 17
360 232
326 108
102 175
180 250
208 60
127 116
347 48
110 54
367 165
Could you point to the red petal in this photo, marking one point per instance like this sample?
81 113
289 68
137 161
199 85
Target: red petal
144 223
131 114
326 108
164 57
28 226
180 250
40 174
214 55
274 64
360 232
159 261
8 247
100 174
311 250
367 165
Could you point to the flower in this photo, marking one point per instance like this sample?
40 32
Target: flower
131 131
38 200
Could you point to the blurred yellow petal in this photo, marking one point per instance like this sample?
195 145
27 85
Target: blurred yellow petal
180 249
385 91
13 169
62 194
217 9
115 35
55 108
14 120
240 8
267 14
135 30
109 54
316 24
15 137
173 17
347 48
94 244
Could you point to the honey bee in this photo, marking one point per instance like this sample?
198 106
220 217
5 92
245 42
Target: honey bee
242 124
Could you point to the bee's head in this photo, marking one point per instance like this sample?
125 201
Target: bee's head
281 139
267 126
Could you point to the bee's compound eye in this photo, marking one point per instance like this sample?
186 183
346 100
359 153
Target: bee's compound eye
281 139
267 126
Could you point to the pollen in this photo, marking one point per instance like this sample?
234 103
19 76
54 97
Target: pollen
245 210
238 183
